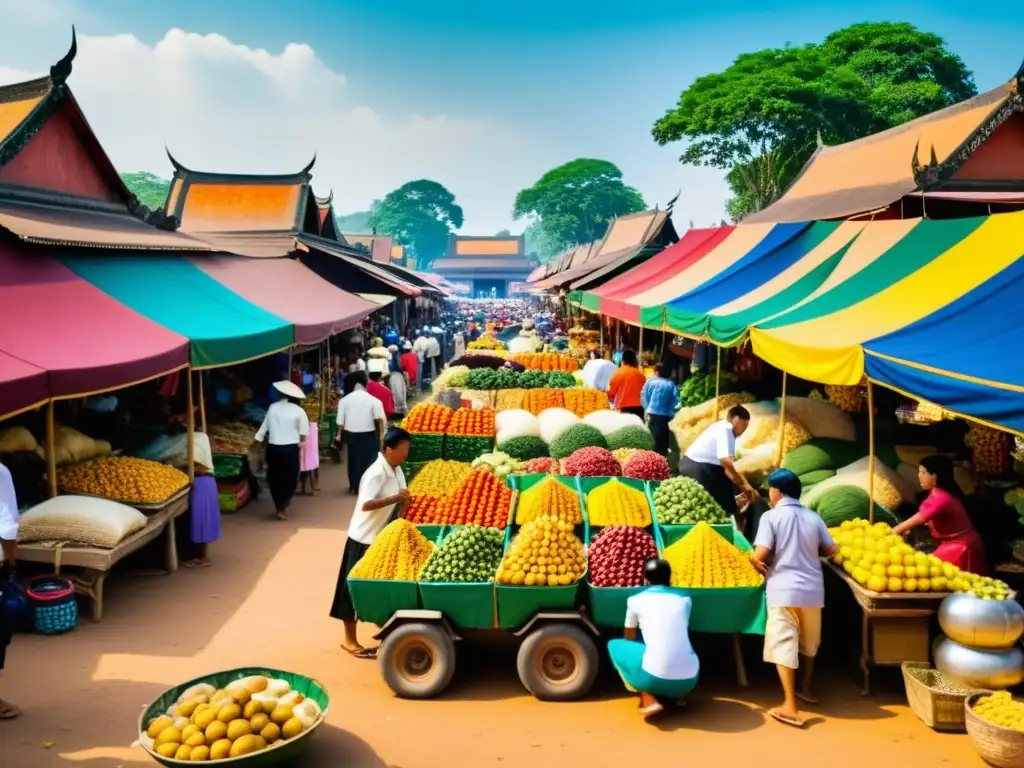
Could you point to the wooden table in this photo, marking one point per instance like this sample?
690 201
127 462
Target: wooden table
95 562
895 626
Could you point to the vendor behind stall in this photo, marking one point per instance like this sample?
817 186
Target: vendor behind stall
948 523
284 428
382 493
204 503
709 460
664 665
8 548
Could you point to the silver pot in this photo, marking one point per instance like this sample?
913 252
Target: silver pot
979 669
986 624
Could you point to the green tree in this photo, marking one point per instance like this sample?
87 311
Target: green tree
420 215
539 248
573 203
148 187
503 233
760 118
357 223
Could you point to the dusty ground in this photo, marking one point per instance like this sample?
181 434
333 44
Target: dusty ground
265 602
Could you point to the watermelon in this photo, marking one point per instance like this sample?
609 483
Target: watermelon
811 478
822 453
849 503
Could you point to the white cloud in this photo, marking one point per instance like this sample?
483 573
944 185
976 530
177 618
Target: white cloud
222 106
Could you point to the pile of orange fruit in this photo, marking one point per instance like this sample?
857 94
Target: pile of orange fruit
427 509
546 361
480 499
427 417
537 400
585 400
472 422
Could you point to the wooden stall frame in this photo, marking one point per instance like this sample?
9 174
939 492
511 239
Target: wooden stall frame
871 453
781 442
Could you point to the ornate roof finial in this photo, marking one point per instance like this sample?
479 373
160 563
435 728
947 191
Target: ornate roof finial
309 167
915 162
178 167
61 71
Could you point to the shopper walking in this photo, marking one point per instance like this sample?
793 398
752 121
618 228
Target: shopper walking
284 428
660 400
361 423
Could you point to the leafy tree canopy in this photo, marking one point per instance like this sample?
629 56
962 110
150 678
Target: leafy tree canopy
358 222
539 248
760 118
573 203
421 216
148 187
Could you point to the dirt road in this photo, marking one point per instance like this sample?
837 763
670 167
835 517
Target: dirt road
265 602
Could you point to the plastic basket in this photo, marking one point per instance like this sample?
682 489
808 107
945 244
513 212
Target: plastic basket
282 753
936 701
56 618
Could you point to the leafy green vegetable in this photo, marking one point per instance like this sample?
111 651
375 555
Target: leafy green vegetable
524 448
631 437
466 447
700 388
576 437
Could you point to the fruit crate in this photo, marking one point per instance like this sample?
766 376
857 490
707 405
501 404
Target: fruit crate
376 600
523 483
607 605
517 604
671 533
426 446
467 605
729 609
466 447
587 484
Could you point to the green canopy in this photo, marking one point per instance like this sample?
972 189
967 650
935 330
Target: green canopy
221 326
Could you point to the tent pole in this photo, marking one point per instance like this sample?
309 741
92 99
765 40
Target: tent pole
640 352
202 404
718 378
618 334
782 424
51 451
600 322
871 453
190 421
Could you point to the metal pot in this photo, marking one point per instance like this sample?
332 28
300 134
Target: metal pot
979 669
977 623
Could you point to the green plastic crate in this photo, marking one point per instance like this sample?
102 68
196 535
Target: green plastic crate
670 534
587 484
426 446
517 604
376 601
469 605
524 483
466 447
608 604
728 609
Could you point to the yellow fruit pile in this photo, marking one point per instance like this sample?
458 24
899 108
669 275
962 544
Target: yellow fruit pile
246 716
703 558
881 561
549 498
846 398
1000 709
397 554
622 455
545 553
615 503
439 477
121 478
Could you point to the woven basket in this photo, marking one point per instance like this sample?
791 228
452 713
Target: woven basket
999 746
933 698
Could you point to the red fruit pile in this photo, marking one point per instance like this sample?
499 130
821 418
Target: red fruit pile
646 465
592 462
617 556
544 465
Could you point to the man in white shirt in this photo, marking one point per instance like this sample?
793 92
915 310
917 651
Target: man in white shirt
597 373
361 424
433 353
382 495
284 428
8 549
710 460
664 665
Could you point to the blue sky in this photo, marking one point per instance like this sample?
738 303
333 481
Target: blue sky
551 80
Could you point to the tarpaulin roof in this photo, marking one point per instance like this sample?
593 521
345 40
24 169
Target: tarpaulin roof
83 339
339 266
221 326
289 290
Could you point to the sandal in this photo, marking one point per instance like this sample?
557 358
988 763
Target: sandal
795 722
361 653
8 711
651 710
808 698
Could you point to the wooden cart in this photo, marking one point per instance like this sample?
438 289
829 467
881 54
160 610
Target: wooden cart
95 562
895 626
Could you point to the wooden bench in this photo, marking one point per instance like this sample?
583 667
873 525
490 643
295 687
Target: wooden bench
96 562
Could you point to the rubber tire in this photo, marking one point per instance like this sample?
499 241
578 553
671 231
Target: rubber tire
537 644
424 637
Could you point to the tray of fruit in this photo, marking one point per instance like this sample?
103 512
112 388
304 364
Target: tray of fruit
140 483
252 716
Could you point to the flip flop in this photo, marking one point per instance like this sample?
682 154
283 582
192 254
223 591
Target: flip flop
651 710
807 698
8 711
795 722
362 653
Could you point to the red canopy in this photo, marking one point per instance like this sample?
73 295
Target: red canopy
290 290
694 245
60 324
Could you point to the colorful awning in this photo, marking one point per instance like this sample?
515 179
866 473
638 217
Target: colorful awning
289 290
82 339
221 326
338 266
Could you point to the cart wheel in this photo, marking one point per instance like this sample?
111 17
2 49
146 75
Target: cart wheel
558 662
417 660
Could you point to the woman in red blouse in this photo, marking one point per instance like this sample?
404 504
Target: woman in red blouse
948 523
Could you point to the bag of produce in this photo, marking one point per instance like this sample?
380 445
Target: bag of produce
849 503
765 418
688 423
822 453
820 418
70 445
17 440
554 421
80 519
890 490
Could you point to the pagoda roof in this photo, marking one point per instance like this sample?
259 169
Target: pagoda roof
58 185
869 174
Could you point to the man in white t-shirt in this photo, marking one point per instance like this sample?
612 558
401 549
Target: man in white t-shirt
361 423
8 548
710 460
663 666
382 494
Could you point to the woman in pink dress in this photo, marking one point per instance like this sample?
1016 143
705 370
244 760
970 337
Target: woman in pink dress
947 520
